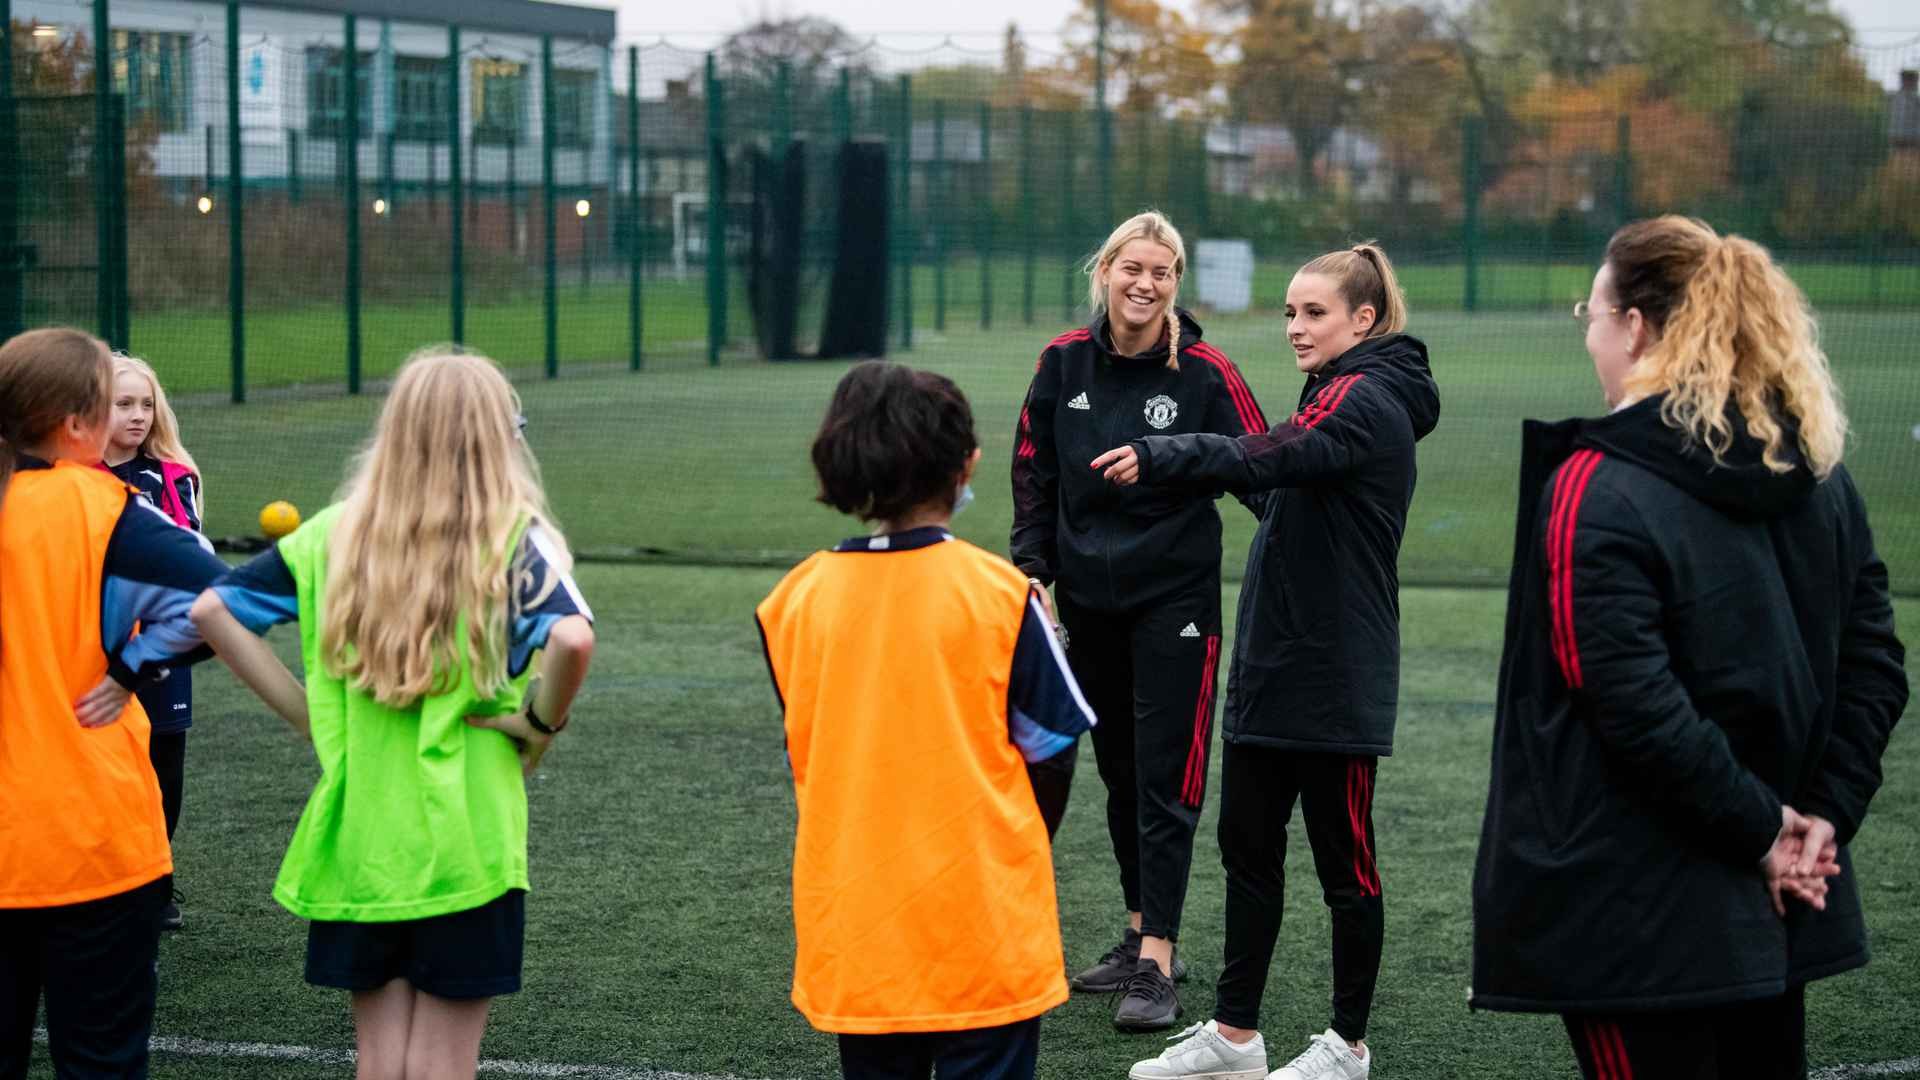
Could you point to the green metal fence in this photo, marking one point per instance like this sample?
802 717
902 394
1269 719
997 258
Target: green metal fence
276 217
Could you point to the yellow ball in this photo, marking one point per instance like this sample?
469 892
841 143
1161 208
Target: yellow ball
279 518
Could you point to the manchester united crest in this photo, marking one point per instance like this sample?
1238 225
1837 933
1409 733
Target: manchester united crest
1161 412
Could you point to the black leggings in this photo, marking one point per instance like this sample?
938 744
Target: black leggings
1258 787
1751 1040
1151 677
168 751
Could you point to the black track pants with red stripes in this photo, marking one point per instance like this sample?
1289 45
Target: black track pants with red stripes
1258 788
1151 677
1751 1040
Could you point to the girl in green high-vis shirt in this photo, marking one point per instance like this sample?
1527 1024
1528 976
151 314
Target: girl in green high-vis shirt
422 596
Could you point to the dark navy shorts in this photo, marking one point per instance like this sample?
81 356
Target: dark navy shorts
474 953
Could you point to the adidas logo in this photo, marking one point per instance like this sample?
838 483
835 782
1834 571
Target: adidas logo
1190 631
1079 401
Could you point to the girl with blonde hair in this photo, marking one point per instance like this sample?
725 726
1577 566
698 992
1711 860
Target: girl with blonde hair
421 596
145 451
1316 661
1138 579
1699 677
85 867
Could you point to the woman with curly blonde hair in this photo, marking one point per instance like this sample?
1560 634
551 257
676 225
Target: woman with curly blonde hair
422 596
1700 676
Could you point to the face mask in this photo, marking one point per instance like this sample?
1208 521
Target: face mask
963 499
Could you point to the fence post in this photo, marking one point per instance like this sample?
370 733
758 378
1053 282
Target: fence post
295 191
843 109
986 215
1623 171
637 237
1028 243
1470 216
102 197
12 260
782 114
236 184
1103 131
456 192
122 301
910 244
1066 214
937 210
350 65
716 214
549 241
1142 143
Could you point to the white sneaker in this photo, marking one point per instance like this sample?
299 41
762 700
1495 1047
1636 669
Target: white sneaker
1202 1053
1327 1057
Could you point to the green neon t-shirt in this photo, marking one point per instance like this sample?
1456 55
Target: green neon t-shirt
416 814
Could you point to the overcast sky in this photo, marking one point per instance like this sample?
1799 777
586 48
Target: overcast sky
978 23
653 17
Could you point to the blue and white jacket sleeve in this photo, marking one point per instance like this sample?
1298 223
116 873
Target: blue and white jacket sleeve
260 592
540 594
152 574
1045 710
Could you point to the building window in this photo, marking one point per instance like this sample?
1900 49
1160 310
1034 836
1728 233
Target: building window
327 92
419 98
573 107
154 71
499 93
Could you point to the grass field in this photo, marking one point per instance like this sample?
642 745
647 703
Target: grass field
687 461
301 345
658 934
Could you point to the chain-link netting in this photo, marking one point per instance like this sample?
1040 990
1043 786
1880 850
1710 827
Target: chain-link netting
652 238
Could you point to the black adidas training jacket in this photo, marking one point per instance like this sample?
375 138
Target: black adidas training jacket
1688 646
1316 659
1111 548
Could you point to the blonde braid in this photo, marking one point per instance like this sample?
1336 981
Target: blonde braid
1173 339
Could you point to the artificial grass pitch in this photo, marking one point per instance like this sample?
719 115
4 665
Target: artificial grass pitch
659 935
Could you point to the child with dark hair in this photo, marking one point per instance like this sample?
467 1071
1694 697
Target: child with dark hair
929 714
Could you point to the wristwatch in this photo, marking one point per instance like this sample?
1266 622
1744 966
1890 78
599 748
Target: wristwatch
539 725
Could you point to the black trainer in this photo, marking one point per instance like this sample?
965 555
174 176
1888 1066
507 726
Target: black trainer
1109 975
170 918
1150 1002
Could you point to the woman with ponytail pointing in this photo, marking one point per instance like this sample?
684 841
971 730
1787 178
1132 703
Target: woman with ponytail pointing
1137 575
1314 690
1699 677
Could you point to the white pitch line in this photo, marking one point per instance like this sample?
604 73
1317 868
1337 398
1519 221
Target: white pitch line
1903 1067
311 1055
191 1047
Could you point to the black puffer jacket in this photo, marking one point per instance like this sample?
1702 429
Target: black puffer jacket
1688 646
1109 548
1316 663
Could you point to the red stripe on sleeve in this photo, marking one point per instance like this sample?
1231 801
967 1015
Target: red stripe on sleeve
1569 488
1344 384
1244 404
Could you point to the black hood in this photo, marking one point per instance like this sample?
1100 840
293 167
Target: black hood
1103 337
1400 361
1739 484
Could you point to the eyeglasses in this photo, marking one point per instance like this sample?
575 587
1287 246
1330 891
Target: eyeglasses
1585 313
